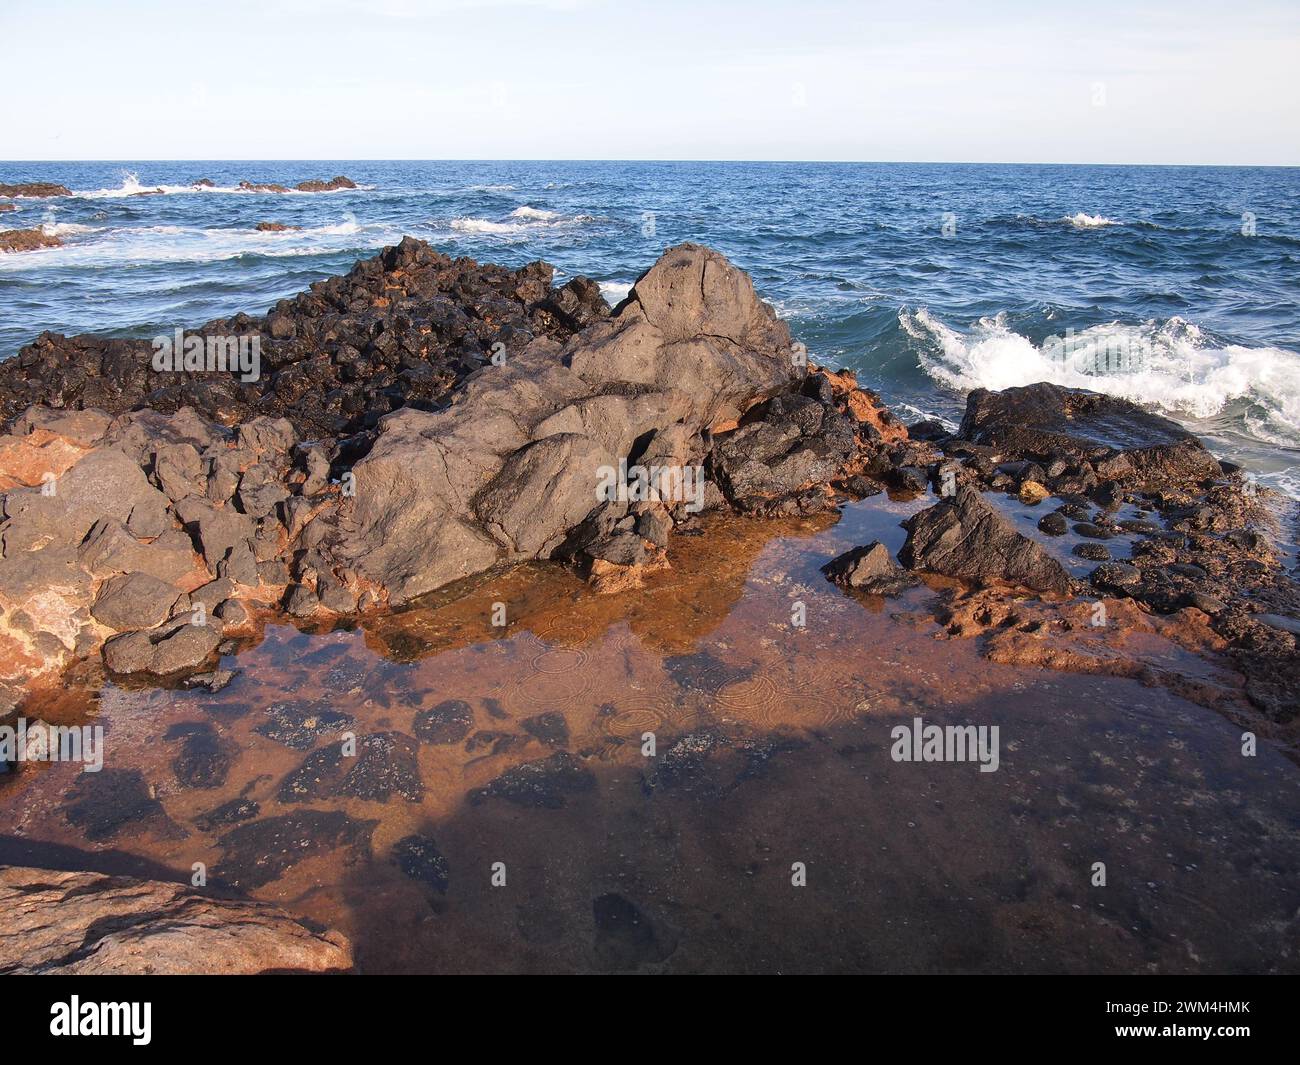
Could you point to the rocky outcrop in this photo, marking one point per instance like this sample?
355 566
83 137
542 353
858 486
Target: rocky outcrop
275 227
333 184
90 924
1100 438
36 189
965 537
402 328
27 240
513 466
311 185
583 437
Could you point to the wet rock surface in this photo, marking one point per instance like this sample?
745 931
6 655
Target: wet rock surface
967 538
14 240
89 924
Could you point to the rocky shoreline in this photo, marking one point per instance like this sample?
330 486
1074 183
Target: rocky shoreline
423 420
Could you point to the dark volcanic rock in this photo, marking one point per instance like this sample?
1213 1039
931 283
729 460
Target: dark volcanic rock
400 329
102 804
448 722
419 858
871 568
384 765
204 759
300 724
171 648
1120 440
546 784
259 852
967 538
550 728
625 936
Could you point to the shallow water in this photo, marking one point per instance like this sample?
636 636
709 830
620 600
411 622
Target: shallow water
773 747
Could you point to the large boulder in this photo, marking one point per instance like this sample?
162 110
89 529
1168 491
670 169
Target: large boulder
966 538
91 924
513 465
1124 443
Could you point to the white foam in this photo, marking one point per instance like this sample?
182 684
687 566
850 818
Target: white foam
65 229
534 213
186 244
526 220
1169 365
615 292
1089 221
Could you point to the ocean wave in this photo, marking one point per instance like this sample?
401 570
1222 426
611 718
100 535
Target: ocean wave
188 244
1081 220
66 229
525 221
534 213
490 188
131 186
1170 365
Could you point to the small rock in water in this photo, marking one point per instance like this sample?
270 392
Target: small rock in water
871 568
419 858
546 784
1054 524
448 722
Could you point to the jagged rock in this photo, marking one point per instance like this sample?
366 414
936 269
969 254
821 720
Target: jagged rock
871 568
512 467
91 924
316 185
104 483
965 537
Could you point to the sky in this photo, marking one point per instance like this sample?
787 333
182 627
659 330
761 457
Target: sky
911 80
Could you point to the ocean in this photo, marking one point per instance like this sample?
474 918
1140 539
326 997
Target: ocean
1178 287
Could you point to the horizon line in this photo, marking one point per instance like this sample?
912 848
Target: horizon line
725 162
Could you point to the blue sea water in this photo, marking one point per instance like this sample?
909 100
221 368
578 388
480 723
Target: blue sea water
1178 287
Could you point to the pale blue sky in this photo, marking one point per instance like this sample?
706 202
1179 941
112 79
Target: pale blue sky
1006 81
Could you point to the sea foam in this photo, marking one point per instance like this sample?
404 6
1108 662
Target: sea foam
1170 365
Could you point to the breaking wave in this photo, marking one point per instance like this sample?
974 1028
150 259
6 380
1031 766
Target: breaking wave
1170 365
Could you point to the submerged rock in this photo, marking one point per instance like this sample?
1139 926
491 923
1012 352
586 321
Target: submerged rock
258 852
545 784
